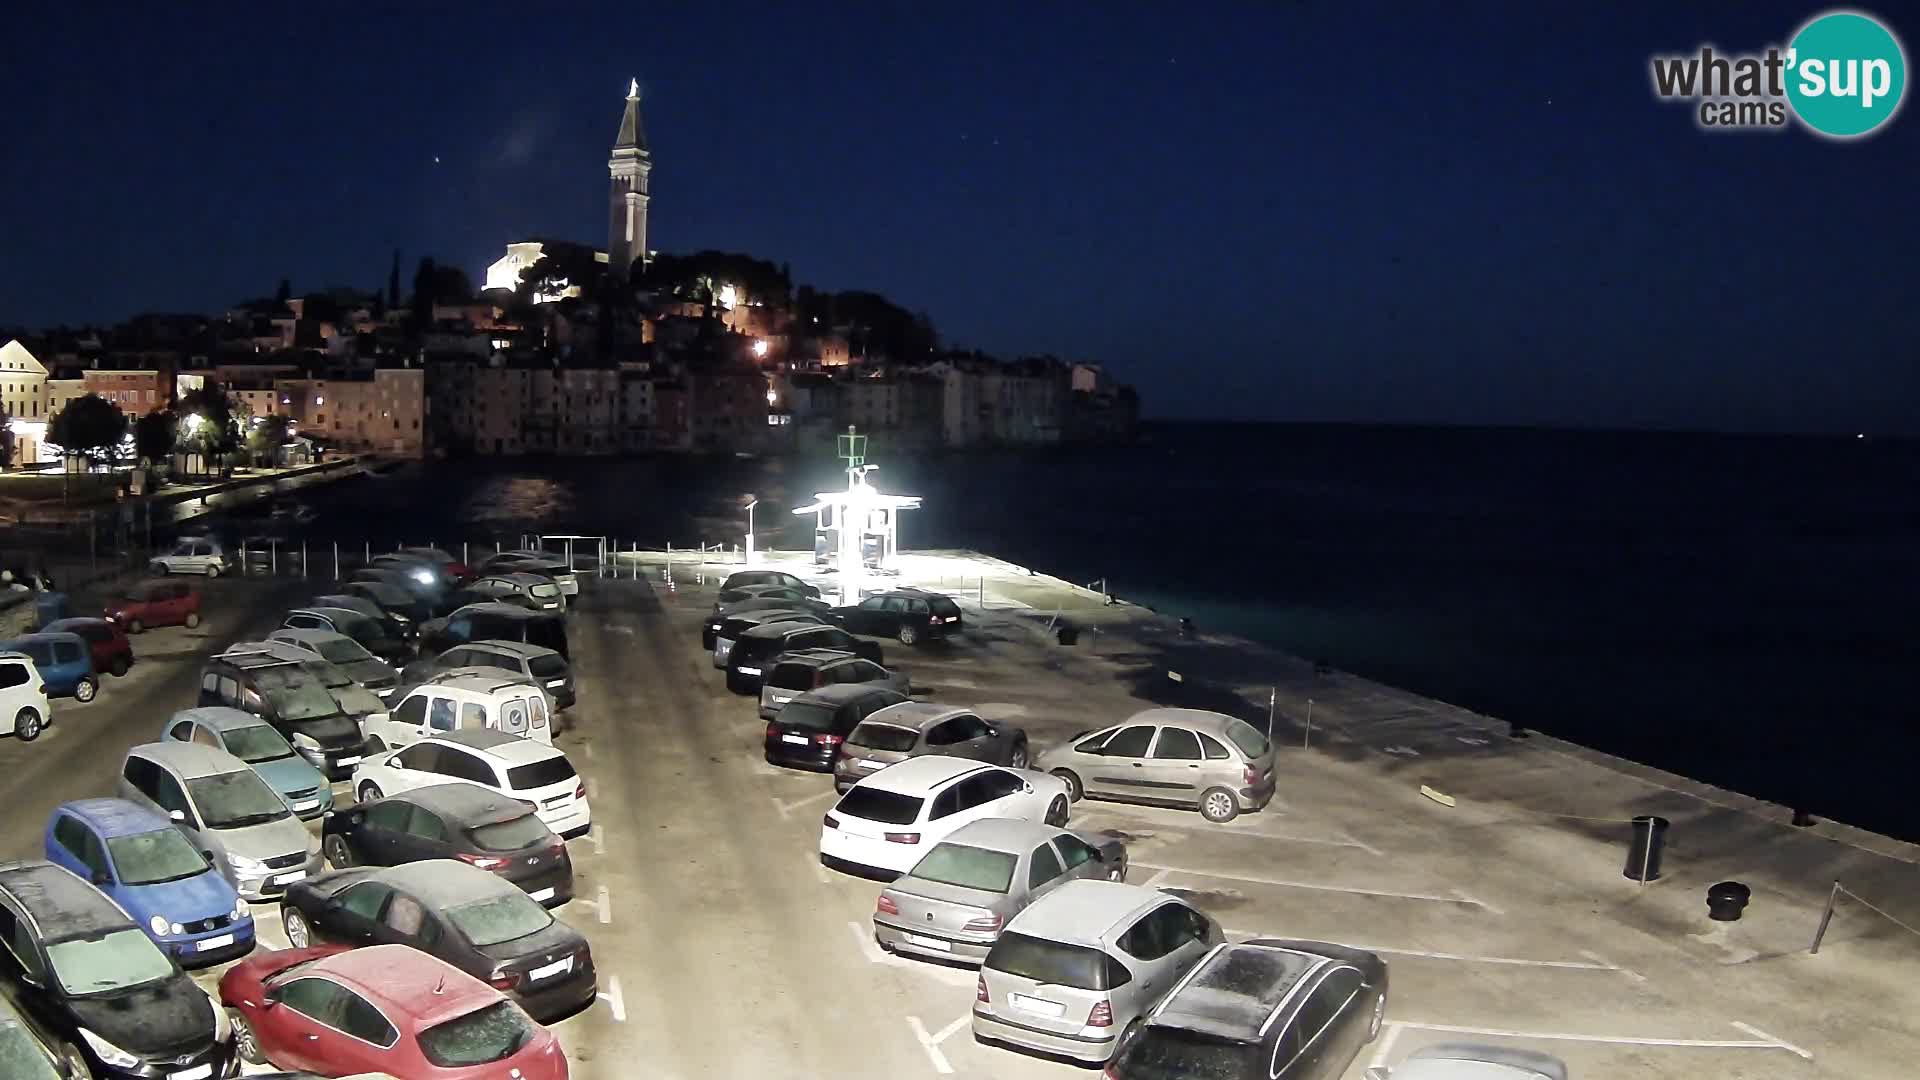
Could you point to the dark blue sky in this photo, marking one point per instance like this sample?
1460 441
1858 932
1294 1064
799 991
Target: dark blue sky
1307 210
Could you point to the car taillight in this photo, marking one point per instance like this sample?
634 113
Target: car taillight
828 740
1101 1016
580 790
903 838
504 980
980 991
773 731
831 821
484 862
886 906
1252 776
985 922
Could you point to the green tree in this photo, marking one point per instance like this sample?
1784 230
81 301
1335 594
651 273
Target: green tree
271 433
216 432
557 270
89 426
156 434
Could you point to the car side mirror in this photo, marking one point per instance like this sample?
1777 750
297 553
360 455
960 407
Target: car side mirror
176 815
102 878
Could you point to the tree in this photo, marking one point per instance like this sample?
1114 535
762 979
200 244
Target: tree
90 425
207 423
156 434
555 271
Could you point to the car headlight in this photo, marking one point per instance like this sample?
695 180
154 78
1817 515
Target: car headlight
240 909
749 670
158 924
243 865
399 618
109 1053
423 577
305 741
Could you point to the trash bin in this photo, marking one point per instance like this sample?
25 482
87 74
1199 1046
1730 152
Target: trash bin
50 607
1726 900
1643 855
1068 633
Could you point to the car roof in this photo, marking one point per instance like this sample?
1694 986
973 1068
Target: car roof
780 629
526 650
1212 723
116 817
495 607
838 694
1236 989
919 775
332 613
1008 835
520 577
257 654
469 804
77 620
406 982
511 748
1082 911
190 760
218 717
817 657
58 902
58 635
761 576
918 715
474 681
764 616
310 634
441 883
1478 1061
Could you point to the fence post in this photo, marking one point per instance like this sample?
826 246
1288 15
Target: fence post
1826 917
273 557
983 592
303 560
246 566
1304 739
336 560
366 555
463 554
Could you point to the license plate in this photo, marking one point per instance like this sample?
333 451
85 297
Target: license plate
552 683
285 879
305 805
347 761
555 804
801 739
212 943
541 894
930 943
1037 1005
198 1072
555 968
869 763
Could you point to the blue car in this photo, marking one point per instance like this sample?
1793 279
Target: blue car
65 662
151 869
307 792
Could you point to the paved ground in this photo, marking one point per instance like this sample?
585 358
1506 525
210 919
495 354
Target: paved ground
726 951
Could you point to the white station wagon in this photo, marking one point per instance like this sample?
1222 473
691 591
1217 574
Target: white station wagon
887 821
518 768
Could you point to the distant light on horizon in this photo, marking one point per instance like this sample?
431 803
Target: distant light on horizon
760 348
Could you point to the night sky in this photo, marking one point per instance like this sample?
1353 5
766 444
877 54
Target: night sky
1293 211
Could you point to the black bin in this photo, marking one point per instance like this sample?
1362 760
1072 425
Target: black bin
1068 633
1643 855
1726 900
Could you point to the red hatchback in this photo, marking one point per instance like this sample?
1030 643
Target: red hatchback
111 649
336 1011
156 603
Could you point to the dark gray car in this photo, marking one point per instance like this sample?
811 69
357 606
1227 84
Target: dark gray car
796 673
918 728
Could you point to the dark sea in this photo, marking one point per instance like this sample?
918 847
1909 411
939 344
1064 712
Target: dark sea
1740 609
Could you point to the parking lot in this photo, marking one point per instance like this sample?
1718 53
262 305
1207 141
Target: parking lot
725 950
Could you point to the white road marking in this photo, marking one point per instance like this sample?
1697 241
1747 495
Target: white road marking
1401 751
1154 881
940 1063
587 749
1386 1045
786 808
1603 961
952 1029
597 839
861 936
613 999
1782 1044
603 902
1285 884
1768 1043
1479 903
1596 964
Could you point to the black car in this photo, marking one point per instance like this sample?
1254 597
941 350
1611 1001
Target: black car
460 913
737 620
78 969
370 633
742 578
1266 1007
396 626
393 599
428 593
296 699
535 592
910 615
808 731
453 821
754 652
804 600
495 622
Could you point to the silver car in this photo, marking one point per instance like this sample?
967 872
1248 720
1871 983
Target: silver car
796 673
1472 1061
918 728
1070 973
1189 758
226 810
953 903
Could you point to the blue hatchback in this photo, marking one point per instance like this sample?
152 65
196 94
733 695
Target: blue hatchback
65 663
151 869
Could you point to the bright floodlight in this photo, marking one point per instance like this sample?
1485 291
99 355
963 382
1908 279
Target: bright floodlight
759 348
194 420
855 514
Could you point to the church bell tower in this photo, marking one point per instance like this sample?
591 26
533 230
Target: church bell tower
627 197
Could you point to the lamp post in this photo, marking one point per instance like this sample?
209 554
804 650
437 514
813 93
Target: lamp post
751 501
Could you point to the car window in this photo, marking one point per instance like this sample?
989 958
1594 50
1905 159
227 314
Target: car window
1247 738
886 807
66 652
1093 744
1073 850
360 1018
425 824
423 757
206 737
538 774
896 605
1212 748
229 689
404 915
1178 925
171 796
473 715
875 735
945 733
513 716
391 815
873 603
14 674
1327 1000
1129 742
1142 939
1042 867
1055 962
971 727
489 1033
182 731
967 867
998 784
464 766
365 899
866 671
314 998
1176 744
440 713
947 802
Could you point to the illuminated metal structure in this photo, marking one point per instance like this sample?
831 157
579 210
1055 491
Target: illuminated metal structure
860 526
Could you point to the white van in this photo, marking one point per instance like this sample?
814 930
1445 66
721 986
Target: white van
464 699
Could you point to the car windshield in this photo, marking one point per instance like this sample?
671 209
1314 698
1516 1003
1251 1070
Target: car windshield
357 700
1247 738
362 629
294 695
886 807
499 918
106 963
942 606
1052 962
486 1034
967 867
883 737
1172 1053
512 834
541 773
791 677
256 744
235 800
808 716
344 650
21 1058
547 667
150 858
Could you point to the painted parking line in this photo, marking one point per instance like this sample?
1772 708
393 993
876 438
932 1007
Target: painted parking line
1761 1040
1161 872
1594 962
1172 835
787 808
615 1001
863 936
930 1045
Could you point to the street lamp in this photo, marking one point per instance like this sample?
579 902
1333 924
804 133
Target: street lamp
760 348
751 502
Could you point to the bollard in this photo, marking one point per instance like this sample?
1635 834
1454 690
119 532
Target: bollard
463 555
367 555
1515 731
1802 819
1643 854
983 592
1726 900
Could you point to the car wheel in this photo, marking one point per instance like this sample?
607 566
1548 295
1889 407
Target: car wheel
1126 1037
908 634
1019 757
84 690
299 932
245 1043
120 666
26 725
337 852
1075 790
157 569
193 619
134 626
1057 811
1379 1014
369 792
1218 805
213 571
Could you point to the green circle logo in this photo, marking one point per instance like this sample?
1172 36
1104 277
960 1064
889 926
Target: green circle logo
1846 74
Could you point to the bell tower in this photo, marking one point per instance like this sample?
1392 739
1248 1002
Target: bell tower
627 194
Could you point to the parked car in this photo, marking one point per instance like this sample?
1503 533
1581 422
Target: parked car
156 603
423 588
458 820
150 869
757 649
520 768
742 578
773 595
368 632
795 673
398 602
64 661
111 650
302 787
388 1008
721 634
1472 1061
226 810
80 969
466 916
286 693
1170 757
535 592
465 699
954 902
808 731
918 728
433 575
455 568
194 555
1074 970
886 822
26 1051
346 654
909 615
397 625
23 697
494 622
1264 1008
514 658
712 630
534 562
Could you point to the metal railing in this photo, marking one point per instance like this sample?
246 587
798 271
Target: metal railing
1833 899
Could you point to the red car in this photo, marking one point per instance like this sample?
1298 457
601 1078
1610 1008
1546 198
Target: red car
111 649
156 603
337 1011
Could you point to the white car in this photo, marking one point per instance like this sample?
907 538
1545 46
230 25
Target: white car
887 821
24 712
534 773
465 699
193 555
